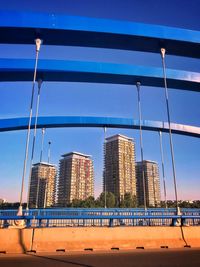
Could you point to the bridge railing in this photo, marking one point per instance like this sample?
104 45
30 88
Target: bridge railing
71 217
91 210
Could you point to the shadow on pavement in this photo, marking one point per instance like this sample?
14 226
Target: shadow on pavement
61 260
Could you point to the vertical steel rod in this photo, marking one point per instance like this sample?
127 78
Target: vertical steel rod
154 191
49 151
38 182
38 44
42 145
49 143
46 190
34 138
138 84
169 123
163 168
105 204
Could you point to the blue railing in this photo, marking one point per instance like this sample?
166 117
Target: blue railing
99 217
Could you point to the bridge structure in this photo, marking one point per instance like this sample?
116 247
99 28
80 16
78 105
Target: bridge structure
54 29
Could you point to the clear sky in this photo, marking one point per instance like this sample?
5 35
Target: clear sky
103 99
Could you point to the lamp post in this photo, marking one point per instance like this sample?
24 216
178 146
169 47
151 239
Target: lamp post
49 151
34 138
38 44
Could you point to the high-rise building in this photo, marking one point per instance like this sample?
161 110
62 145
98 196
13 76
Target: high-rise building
119 166
151 181
76 178
43 185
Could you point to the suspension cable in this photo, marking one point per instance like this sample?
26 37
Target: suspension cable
34 138
38 185
105 204
42 145
38 44
163 168
141 145
46 190
169 123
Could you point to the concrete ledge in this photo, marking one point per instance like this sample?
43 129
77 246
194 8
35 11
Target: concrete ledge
97 238
73 239
15 240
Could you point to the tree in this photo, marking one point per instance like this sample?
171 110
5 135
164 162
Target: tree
110 200
128 201
76 203
89 202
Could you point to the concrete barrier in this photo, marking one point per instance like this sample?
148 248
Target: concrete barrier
104 238
97 238
192 235
15 240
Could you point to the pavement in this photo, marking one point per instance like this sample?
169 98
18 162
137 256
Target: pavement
134 258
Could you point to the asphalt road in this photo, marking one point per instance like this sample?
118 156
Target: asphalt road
139 258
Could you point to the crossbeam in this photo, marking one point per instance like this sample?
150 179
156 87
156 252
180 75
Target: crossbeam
58 29
14 124
12 70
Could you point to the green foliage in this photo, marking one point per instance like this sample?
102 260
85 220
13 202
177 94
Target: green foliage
128 201
87 203
14 205
181 204
110 200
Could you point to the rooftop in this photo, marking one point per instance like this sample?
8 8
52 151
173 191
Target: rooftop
73 153
118 136
44 164
147 161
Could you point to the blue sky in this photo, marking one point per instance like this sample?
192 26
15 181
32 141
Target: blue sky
103 99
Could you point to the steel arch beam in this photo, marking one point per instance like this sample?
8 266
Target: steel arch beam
57 29
14 124
94 72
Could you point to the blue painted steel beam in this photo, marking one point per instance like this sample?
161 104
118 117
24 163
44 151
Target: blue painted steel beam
94 72
97 217
64 121
65 211
57 29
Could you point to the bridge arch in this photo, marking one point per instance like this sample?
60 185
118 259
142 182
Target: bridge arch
14 124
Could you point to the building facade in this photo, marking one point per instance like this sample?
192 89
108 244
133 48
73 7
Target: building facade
42 191
151 181
119 166
76 178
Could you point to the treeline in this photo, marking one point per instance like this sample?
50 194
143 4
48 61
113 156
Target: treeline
90 202
10 206
111 202
182 204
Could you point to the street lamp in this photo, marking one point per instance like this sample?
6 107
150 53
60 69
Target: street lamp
38 44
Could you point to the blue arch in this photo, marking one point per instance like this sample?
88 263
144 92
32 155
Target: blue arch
57 29
14 124
94 72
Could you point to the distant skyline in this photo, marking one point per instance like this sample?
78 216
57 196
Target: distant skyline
103 99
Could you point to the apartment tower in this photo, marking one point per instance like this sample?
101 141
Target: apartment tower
119 166
43 185
152 183
76 178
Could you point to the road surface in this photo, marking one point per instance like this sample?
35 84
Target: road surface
135 258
